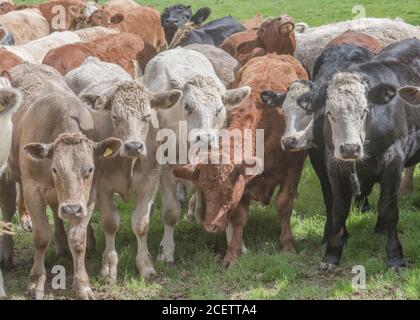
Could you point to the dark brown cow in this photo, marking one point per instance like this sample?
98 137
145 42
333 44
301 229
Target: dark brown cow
226 189
143 21
359 39
122 49
273 36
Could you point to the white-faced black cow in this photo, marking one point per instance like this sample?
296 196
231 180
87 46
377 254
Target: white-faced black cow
371 128
304 108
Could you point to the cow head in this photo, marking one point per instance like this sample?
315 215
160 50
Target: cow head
130 108
176 16
205 108
300 114
73 159
84 17
222 187
348 99
410 94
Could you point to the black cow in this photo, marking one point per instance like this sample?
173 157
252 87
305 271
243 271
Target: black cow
371 128
176 16
304 106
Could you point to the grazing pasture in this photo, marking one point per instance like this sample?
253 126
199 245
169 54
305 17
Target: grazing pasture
265 272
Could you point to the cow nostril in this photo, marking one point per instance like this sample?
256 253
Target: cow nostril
197 138
134 146
72 209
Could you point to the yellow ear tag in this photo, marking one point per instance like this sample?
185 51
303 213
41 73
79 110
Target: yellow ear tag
2 108
107 152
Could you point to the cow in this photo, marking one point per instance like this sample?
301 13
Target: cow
25 25
254 23
274 35
125 49
227 187
203 108
174 17
60 14
374 132
304 109
124 110
312 42
213 32
142 21
55 163
224 65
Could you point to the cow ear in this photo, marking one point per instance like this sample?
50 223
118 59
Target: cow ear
166 100
96 102
382 93
6 74
314 99
39 151
410 94
248 46
188 172
201 15
273 99
74 10
108 148
233 98
10 100
117 18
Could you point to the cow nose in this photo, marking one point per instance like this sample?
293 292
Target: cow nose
72 209
172 22
134 147
289 143
350 150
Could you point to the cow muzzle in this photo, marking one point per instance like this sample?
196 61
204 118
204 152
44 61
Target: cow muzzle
134 149
289 143
350 151
72 210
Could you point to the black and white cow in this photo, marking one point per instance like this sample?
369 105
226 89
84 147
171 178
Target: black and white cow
371 128
304 107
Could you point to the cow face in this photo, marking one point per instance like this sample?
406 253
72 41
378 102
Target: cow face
176 16
204 108
298 133
347 110
73 159
222 187
130 108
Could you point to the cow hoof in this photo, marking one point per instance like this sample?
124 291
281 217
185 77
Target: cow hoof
288 249
228 264
85 293
166 258
6 261
398 265
109 274
148 273
326 266
26 223
36 288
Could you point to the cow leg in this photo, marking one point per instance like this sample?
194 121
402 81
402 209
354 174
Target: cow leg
342 195
407 184
389 214
147 189
24 217
229 233
238 220
8 209
41 234
171 209
110 221
191 208
200 209
60 236
90 241
76 237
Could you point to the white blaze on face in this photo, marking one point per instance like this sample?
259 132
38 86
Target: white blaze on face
346 109
299 122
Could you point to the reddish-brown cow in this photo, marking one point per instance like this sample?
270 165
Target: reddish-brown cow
8 60
359 39
226 190
273 36
122 49
143 21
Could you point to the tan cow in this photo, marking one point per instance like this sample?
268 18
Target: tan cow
25 25
55 162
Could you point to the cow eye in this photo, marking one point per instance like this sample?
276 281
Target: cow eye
54 171
88 173
330 116
219 110
365 112
114 118
146 117
187 108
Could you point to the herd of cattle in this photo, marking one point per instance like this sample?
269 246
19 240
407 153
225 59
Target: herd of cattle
83 97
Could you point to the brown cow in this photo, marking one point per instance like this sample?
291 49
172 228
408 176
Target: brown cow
227 190
274 36
254 23
143 21
60 14
357 38
123 49
8 60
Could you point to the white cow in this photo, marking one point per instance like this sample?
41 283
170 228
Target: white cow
203 107
312 42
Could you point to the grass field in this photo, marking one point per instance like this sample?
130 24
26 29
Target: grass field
265 273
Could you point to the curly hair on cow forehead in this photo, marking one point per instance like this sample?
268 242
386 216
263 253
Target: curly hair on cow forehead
72 138
202 82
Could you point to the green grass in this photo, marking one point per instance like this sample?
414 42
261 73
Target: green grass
265 273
